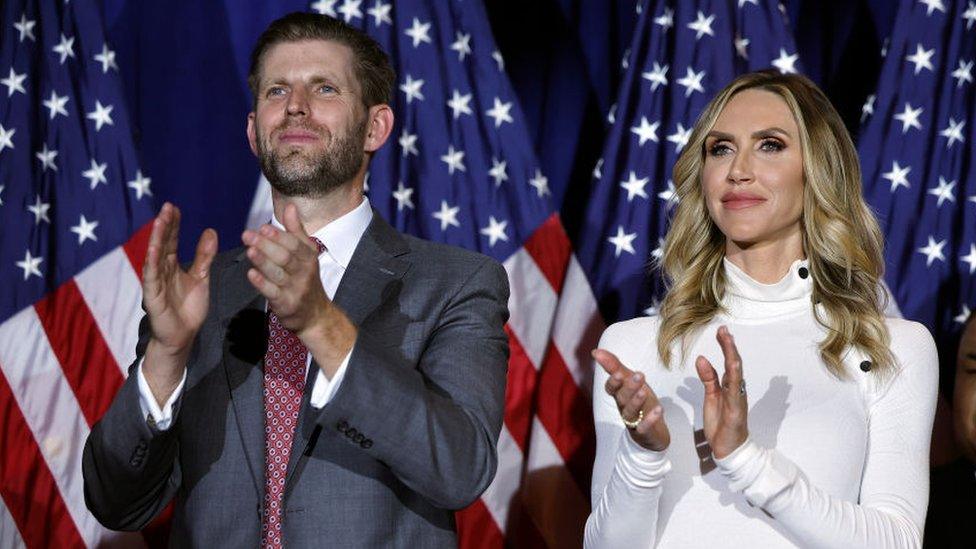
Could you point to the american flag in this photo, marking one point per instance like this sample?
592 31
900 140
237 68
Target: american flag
918 155
460 169
74 205
683 52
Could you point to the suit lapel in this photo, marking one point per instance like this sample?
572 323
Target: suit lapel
373 275
241 310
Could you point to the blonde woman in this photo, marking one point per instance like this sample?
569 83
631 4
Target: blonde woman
770 404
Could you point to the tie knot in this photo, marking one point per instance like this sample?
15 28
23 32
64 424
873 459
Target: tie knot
318 244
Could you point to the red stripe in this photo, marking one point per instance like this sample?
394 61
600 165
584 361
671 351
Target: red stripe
27 485
520 392
476 528
136 248
77 342
567 414
550 248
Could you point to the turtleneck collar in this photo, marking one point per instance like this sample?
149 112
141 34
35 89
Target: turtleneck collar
749 300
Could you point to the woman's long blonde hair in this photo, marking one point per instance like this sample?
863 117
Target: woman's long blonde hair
841 237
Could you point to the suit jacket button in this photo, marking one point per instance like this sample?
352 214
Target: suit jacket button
342 426
359 437
366 444
351 433
135 462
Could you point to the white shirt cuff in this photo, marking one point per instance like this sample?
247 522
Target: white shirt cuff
640 466
759 473
324 387
163 417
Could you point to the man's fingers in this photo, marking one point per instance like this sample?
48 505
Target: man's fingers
708 376
267 288
267 268
171 237
206 250
267 240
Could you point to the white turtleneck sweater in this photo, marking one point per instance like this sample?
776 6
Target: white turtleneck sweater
829 462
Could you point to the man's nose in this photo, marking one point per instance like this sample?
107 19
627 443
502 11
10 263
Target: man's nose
297 102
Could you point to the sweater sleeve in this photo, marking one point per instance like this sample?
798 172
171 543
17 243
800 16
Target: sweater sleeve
894 486
627 478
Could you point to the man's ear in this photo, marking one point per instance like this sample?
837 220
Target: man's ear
252 135
379 125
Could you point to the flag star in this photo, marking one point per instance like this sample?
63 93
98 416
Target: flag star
325 7
498 171
612 114
657 76
932 5
658 252
898 176
65 48
740 47
25 27
598 169
459 104
495 231
692 81
39 209
447 215
56 104
6 138
408 143
46 157
969 15
625 61
412 88
85 230
963 315
418 32
350 10
646 131
462 45
96 174
101 115
635 186
922 58
106 58
669 195
30 265
623 242
540 183
909 118
14 82
932 251
665 20
2 187
954 132
785 63
653 309
744 2
702 25
497 56
970 259
454 160
403 196
868 108
381 13
943 191
141 185
680 137
500 112
964 72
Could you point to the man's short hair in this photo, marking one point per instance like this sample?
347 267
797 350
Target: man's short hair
372 65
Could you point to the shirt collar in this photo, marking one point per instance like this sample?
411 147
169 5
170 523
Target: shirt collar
747 298
342 235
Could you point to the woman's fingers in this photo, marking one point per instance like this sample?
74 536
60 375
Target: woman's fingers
708 376
732 380
616 371
631 409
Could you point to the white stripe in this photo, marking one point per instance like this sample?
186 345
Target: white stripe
52 412
532 305
9 534
111 288
550 493
508 477
578 325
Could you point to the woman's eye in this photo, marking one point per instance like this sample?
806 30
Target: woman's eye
718 149
772 145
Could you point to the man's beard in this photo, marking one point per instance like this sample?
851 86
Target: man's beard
297 172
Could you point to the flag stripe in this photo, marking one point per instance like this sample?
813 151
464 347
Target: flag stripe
32 502
135 248
76 341
114 307
578 326
519 392
508 477
532 305
477 529
550 248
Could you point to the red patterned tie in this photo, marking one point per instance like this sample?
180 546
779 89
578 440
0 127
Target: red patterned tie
284 382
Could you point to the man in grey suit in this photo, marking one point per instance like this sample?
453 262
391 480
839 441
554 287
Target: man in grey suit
330 383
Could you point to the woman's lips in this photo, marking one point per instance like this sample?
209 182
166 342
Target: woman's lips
741 203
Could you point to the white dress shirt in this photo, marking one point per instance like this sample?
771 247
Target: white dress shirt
340 238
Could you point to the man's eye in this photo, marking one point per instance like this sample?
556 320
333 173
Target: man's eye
277 90
326 89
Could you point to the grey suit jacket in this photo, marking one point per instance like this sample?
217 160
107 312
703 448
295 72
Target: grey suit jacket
408 438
